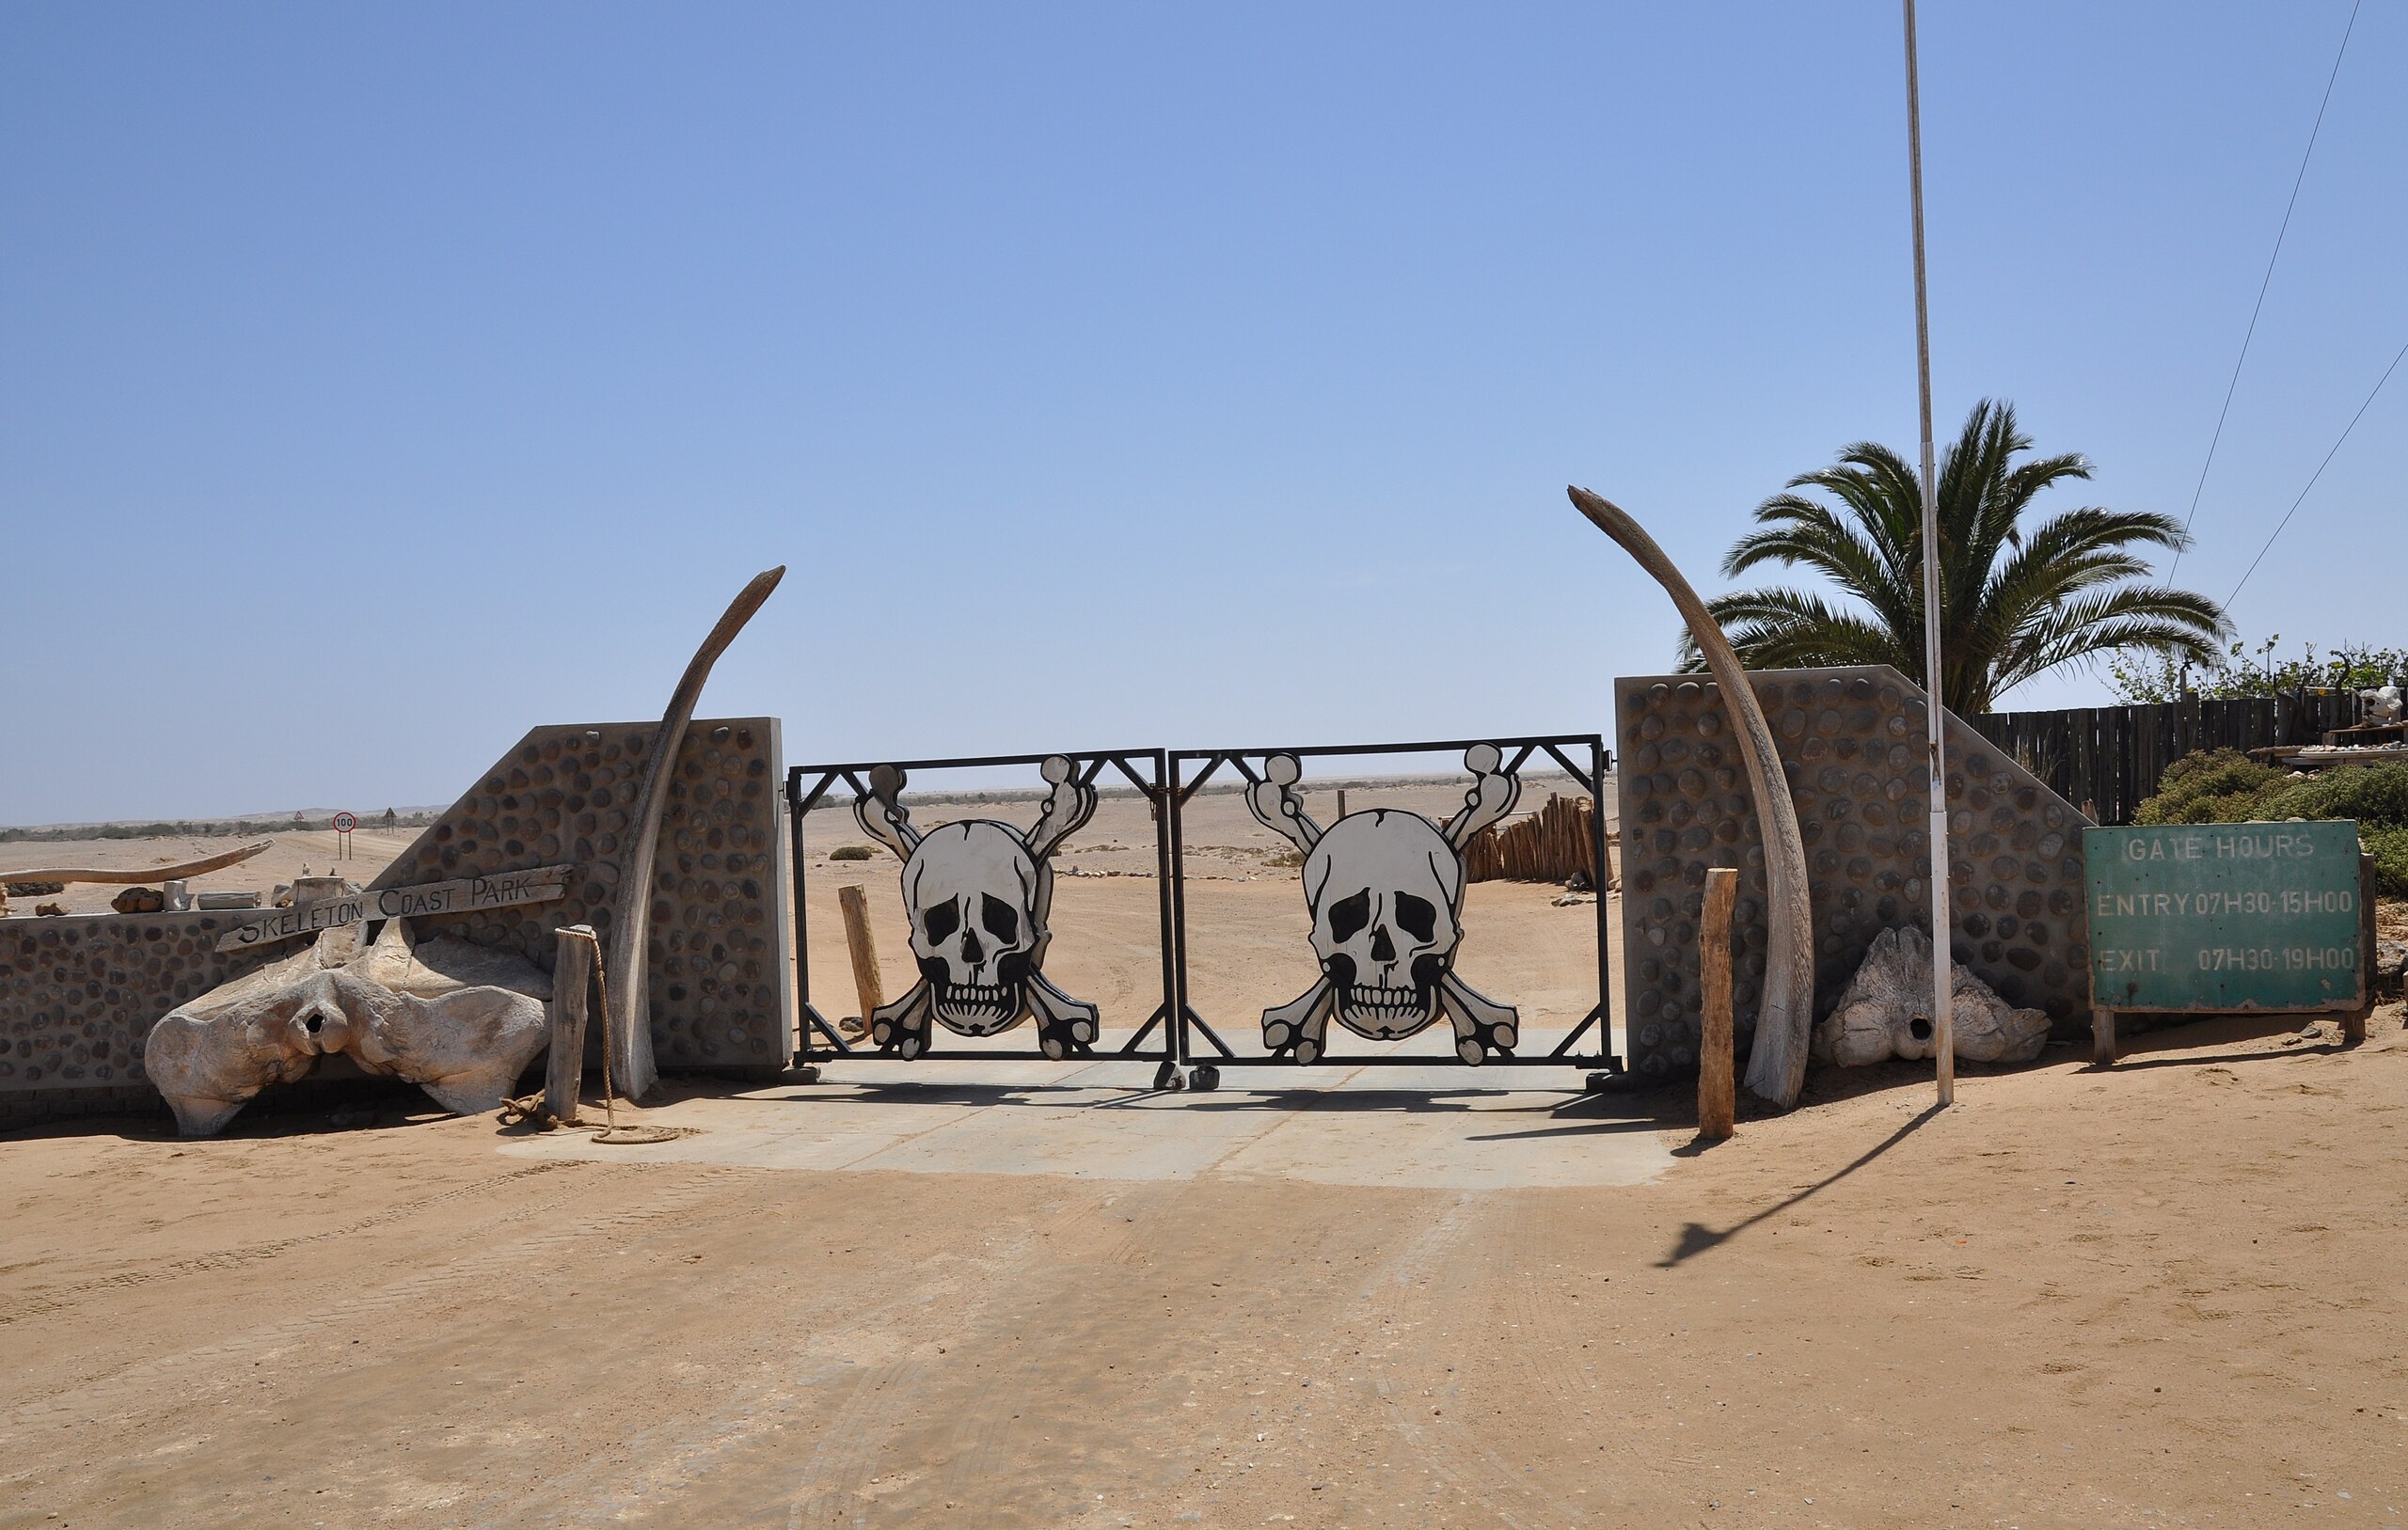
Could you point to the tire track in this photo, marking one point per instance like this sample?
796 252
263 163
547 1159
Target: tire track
1041 1269
851 1410
42 1302
1530 1294
628 1474
847 1454
122 1391
1447 1448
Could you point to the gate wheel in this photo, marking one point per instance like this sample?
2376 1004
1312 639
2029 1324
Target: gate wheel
1166 1078
1204 1077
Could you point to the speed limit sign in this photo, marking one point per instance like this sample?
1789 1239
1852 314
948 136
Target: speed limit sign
346 822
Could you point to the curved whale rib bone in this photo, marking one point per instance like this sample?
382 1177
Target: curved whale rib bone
1785 1019
141 875
629 1017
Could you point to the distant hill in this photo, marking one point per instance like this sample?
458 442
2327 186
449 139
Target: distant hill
238 826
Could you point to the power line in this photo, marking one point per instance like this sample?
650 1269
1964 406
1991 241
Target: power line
2319 473
2267 281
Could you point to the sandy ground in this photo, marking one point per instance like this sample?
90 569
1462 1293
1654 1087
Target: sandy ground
1029 1294
2170 1295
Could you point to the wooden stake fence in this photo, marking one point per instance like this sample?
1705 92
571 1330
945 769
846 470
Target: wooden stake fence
1546 846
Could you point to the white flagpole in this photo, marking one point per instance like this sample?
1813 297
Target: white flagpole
1944 1031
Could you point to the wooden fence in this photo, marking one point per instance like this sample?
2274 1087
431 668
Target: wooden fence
1548 845
2107 760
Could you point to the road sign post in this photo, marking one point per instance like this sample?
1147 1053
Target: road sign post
344 824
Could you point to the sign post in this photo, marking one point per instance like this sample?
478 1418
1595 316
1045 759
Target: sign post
2220 919
467 895
344 824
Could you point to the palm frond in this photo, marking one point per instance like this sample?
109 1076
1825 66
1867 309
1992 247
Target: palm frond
1789 629
1801 532
2014 603
2152 618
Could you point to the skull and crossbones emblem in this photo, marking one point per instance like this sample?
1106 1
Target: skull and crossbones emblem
977 893
1386 888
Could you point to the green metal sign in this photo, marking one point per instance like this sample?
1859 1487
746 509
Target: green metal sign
2222 917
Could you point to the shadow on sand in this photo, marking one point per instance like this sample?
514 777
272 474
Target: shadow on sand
1589 1113
1697 1238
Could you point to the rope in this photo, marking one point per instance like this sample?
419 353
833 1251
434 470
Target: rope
530 1106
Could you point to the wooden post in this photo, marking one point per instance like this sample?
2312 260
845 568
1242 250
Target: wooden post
854 905
1717 1103
572 975
2102 1038
2353 1024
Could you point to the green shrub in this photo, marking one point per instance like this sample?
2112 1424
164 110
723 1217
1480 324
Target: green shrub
2221 786
2213 786
851 852
2375 795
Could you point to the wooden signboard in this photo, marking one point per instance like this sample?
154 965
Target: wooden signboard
503 889
2225 918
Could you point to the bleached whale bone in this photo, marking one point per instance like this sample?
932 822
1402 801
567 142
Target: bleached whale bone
460 1020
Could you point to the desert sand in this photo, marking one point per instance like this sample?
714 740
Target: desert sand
1020 1293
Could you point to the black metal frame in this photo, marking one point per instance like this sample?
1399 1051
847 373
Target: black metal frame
818 1041
1517 753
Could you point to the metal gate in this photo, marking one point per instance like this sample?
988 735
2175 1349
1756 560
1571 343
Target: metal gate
1513 754
977 986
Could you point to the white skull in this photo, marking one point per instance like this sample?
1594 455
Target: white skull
1387 891
977 901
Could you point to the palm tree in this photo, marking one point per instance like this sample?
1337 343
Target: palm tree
2014 604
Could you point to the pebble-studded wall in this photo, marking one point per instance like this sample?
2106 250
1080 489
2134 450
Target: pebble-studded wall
1851 743
79 995
717 965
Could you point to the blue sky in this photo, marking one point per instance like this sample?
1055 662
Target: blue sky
377 384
